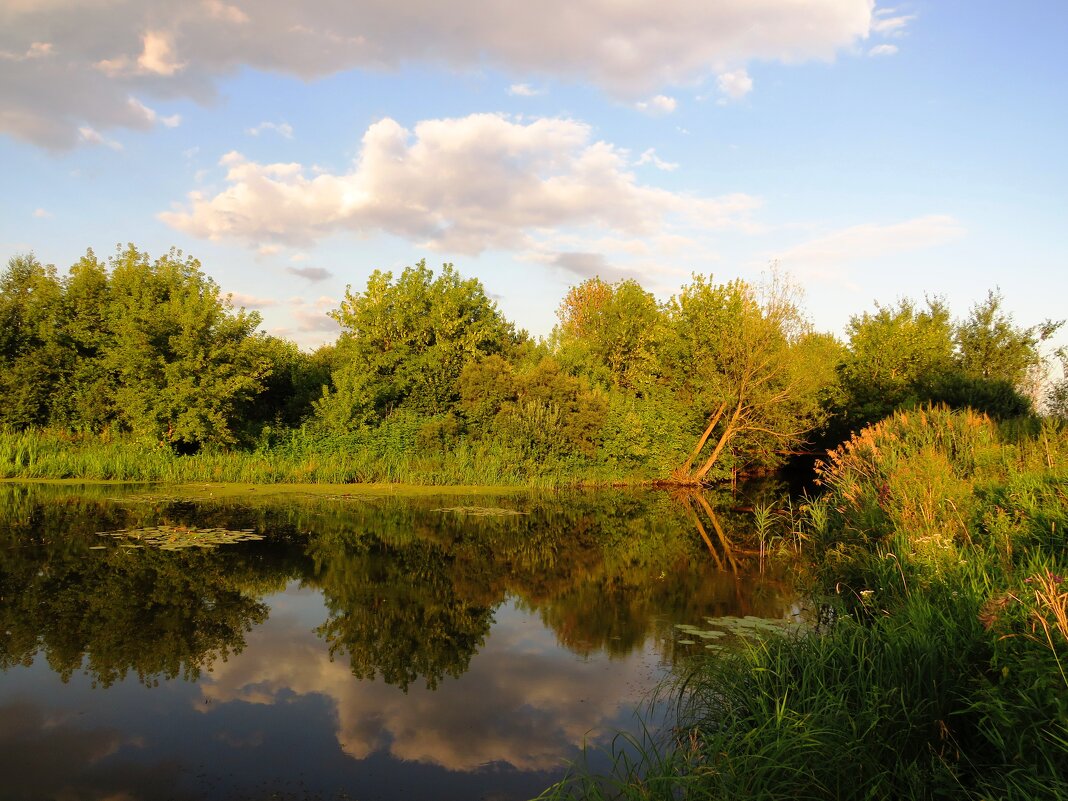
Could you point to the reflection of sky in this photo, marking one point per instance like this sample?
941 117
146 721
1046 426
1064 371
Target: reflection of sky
281 717
523 701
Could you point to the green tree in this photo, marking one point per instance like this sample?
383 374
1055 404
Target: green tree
184 360
404 344
744 358
893 353
612 333
87 401
31 353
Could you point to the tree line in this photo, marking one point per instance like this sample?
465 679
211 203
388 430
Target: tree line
720 378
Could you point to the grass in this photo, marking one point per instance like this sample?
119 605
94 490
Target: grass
297 459
939 541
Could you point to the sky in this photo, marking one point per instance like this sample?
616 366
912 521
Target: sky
873 152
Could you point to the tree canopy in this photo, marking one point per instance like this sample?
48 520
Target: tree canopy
722 377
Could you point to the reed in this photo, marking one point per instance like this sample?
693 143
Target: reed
939 538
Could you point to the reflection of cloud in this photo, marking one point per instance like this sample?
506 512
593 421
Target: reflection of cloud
42 756
523 701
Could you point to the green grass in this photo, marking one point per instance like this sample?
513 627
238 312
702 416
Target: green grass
298 458
939 541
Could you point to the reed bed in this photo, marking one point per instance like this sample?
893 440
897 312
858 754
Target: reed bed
939 544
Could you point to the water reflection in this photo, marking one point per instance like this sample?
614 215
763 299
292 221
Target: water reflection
482 639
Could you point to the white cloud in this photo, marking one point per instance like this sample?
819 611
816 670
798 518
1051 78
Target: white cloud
461 186
312 274
283 129
251 301
524 90
857 245
734 85
36 50
885 25
312 317
152 116
94 137
42 214
883 50
182 50
650 157
157 55
658 105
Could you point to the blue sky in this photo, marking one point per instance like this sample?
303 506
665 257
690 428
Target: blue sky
875 152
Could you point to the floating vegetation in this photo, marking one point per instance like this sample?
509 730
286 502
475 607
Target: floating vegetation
750 627
175 538
482 511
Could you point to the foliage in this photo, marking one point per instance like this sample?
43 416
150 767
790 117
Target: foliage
903 356
612 333
405 343
145 346
183 359
742 356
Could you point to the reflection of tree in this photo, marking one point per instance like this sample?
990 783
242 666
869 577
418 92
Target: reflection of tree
112 611
397 614
410 587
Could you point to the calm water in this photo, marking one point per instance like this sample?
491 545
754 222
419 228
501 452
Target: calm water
455 647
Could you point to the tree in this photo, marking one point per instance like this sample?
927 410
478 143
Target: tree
992 348
31 354
893 353
612 333
88 399
405 343
743 356
184 360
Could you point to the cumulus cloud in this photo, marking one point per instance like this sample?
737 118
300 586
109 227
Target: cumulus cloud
89 56
283 129
826 255
883 50
734 85
462 185
658 105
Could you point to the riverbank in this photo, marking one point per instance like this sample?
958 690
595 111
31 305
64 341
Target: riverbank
45 454
939 545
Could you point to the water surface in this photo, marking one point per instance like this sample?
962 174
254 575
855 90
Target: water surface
364 647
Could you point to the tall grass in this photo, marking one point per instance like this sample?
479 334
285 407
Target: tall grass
940 540
297 457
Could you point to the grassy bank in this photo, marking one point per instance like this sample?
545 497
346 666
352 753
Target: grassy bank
940 545
381 456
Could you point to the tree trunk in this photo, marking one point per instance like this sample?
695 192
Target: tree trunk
727 436
682 472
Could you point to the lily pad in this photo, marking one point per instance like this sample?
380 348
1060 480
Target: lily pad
174 538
